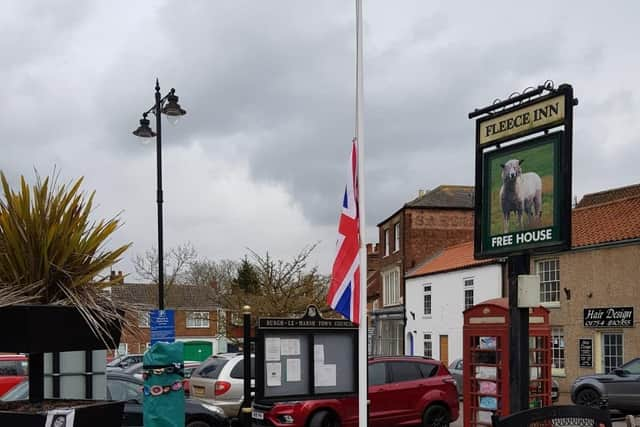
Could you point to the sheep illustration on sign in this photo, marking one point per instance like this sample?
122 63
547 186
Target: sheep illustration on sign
520 193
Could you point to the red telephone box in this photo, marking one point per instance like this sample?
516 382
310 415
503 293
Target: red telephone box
486 353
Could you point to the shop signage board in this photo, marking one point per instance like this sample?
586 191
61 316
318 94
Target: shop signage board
523 177
163 326
585 351
608 317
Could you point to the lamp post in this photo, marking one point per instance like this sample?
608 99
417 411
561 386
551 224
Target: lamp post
169 106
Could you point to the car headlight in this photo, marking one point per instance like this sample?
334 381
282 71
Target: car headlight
213 408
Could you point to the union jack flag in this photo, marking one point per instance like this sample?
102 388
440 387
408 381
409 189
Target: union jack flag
344 290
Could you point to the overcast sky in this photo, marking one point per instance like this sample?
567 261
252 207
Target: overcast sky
259 160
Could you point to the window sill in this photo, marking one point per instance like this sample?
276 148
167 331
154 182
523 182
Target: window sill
427 316
561 373
554 304
197 327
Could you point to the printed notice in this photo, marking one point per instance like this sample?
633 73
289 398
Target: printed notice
325 375
274 374
290 347
272 349
293 370
318 354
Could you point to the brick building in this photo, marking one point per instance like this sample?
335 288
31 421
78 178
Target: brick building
199 322
418 230
597 280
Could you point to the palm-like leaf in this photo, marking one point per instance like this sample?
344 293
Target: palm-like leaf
51 252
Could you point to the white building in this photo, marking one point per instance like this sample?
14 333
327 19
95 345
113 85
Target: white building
438 291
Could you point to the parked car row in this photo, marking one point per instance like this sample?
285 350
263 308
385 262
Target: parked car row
127 388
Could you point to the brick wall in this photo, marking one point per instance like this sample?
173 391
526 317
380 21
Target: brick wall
137 341
606 277
426 232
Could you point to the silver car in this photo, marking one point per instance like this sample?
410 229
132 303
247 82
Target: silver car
618 390
456 372
219 381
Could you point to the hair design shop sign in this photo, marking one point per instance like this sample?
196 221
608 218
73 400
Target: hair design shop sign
610 317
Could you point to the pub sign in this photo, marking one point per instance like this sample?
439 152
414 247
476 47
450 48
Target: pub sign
523 176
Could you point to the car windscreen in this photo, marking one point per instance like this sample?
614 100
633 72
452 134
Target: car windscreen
210 369
14 368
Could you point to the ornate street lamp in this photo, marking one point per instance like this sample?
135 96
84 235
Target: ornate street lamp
169 106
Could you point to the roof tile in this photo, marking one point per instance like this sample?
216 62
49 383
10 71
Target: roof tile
612 221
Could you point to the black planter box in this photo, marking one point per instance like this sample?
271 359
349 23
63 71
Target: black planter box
50 328
94 414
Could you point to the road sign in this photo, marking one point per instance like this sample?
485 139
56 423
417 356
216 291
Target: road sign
163 326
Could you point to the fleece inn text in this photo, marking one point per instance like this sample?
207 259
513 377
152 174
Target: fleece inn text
522 237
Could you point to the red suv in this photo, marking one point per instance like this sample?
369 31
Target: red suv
403 391
13 370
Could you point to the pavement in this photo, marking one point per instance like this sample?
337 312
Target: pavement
563 400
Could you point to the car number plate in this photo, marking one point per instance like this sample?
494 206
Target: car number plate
257 415
198 391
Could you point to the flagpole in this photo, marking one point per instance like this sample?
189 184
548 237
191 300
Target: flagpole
362 330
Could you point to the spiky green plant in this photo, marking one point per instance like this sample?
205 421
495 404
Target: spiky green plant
52 252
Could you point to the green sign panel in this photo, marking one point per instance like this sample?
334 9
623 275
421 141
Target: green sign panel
522 195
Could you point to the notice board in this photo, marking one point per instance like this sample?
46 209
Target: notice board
309 357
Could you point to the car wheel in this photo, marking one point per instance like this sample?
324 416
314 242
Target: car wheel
324 419
435 416
588 397
198 424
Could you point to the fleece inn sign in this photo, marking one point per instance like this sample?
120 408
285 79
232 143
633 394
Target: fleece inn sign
523 174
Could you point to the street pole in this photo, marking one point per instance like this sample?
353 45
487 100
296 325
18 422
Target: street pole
246 399
518 338
159 199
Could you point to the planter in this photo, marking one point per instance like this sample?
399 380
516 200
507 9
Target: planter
87 413
32 328
38 329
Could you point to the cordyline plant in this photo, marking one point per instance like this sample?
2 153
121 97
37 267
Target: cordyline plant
51 252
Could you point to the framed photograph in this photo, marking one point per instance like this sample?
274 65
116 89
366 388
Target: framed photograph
60 418
523 197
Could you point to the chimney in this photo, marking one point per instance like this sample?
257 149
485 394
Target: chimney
420 192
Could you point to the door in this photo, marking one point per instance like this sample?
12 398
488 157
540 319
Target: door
408 387
380 393
444 349
197 350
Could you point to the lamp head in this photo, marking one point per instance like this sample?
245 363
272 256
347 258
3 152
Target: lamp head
172 108
144 131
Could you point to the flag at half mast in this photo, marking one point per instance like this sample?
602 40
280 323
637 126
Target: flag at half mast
344 290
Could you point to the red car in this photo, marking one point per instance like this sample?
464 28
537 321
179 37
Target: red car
403 391
13 369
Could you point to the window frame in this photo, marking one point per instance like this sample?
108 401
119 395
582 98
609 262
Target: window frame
396 237
141 319
558 351
197 320
391 287
386 242
605 346
468 287
427 295
549 280
428 340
